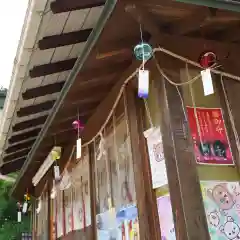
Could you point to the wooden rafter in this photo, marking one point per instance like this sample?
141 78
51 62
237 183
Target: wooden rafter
60 6
33 109
14 166
64 39
101 72
16 155
17 147
97 119
50 68
73 112
43 90
190 47
24 136
29 123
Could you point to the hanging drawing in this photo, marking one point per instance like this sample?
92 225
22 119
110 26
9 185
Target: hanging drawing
120 225
166 218
210 140
81 196
127 223
156 157
222 207
59 214
68 211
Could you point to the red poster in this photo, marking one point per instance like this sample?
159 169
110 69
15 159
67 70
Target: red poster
209 135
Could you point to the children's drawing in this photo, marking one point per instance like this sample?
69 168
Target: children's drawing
230 229
213 218
222 206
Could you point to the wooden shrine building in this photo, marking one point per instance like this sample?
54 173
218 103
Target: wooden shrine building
164 166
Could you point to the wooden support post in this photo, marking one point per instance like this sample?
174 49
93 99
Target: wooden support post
184 187
146 199
229 94
92 182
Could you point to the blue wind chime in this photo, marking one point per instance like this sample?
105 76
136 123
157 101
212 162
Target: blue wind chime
143 52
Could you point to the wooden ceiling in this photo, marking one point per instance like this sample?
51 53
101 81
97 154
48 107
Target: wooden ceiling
65 28
185 29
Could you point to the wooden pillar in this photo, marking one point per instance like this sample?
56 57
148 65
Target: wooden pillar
92 182
229 94
184 186
146 199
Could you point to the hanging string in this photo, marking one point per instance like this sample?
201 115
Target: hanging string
148 113
141 33
96 172
116 153
194 106
78 126
127 157
230 114
109 192
134 73
182 102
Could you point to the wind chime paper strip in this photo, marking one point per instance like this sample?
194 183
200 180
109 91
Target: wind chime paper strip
156 157
56 173
143 83
207 82
79 148
210 140
19 217
25 206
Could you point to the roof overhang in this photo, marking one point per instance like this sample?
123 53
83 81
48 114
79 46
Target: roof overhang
53 37
103 67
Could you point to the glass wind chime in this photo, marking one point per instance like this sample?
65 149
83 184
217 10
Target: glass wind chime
143 52
78 126
207 60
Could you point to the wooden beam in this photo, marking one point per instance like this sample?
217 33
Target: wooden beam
17 147
184 186
60 6
148 223
191 23
29 123
86 95
92 188
98 118
230 34
43 90
11 167
64 39
15 155
65 126
37 108
50 68
99 72
190 47
122 46
24 136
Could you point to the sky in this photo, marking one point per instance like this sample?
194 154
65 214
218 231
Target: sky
11 22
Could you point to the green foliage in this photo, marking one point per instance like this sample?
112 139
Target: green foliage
9 227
